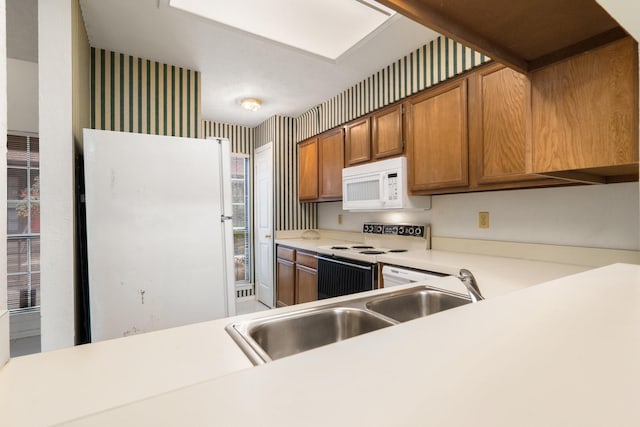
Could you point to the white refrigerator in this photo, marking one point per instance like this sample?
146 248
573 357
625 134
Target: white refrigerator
159 233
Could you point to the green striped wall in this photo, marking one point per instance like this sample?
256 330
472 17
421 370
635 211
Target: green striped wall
433 63
138 95
241 137
289 214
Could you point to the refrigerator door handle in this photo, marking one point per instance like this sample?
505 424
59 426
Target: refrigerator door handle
224 218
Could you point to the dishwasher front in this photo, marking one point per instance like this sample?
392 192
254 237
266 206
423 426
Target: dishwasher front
394 276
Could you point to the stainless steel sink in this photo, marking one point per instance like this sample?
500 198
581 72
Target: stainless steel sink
414 303
274 337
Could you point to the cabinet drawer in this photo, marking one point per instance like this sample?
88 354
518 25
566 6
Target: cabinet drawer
286 253
307 259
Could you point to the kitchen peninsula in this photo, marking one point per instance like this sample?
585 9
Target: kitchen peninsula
569 345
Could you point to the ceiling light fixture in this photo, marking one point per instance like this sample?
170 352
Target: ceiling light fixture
251 104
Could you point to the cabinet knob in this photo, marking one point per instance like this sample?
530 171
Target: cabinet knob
267 236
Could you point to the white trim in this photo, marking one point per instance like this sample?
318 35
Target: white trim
4 337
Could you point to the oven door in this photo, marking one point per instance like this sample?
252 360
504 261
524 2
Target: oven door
342 276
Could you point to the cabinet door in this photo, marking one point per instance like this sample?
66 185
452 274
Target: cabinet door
357 142
498 120
306 284
285 283
437 142
585 111
308 170
331 155
387 132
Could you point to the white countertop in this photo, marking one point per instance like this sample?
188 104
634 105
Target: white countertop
495 275
565 353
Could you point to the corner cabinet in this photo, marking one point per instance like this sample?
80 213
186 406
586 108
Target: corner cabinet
585 116
308 170
296 276
437 141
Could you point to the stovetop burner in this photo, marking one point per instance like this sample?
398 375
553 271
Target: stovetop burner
361 247
397 250
371 252
342 248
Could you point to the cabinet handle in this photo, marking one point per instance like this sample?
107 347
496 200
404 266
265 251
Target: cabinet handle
267 236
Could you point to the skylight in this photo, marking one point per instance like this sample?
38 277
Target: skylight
327 28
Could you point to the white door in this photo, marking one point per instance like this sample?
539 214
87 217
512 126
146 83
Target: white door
263 190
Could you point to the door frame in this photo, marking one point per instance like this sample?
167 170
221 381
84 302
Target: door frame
265 147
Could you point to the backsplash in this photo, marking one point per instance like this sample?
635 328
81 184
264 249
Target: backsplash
599 216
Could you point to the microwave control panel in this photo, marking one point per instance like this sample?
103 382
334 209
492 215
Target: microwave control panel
392 179
394 229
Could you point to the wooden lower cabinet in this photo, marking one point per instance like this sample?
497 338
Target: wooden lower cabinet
296 276
306 284
285 283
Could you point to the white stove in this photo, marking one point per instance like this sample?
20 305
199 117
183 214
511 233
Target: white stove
357 251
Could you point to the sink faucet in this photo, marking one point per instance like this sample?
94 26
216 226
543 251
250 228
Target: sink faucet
466 277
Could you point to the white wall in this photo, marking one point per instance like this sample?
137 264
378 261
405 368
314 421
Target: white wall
4 315
22 95
603 216
626 12
56 172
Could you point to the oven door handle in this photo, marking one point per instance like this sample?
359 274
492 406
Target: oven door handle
362 267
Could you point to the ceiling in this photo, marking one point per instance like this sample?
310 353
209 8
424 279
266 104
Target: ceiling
236 64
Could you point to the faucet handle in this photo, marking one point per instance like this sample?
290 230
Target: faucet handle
469 281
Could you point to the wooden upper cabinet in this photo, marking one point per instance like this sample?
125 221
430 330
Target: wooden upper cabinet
331 162
357 142
498 126
387 132
585 115
437 142
308 170
523 34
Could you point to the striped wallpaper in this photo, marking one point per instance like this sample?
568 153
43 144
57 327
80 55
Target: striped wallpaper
433 63
289 214
241 137
138 95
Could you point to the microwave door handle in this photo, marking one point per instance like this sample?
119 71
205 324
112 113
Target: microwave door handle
385 188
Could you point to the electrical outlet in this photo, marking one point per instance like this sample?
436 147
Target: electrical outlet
339 218
483 219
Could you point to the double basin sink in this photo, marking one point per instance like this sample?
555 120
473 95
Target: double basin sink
273 337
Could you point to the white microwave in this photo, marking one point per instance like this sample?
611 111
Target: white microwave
379 186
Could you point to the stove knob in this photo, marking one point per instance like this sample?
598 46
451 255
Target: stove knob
411 231
379 229
394 230
418 232
401 230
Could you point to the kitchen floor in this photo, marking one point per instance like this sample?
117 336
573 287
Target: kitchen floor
250 306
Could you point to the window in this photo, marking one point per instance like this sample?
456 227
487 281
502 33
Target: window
23 222
241 220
